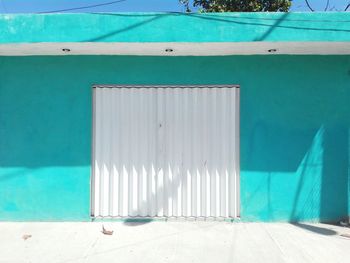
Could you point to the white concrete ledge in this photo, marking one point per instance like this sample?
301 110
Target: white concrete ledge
176 49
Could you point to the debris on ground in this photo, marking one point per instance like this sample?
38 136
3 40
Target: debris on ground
345 235
344 223
25 237
107 232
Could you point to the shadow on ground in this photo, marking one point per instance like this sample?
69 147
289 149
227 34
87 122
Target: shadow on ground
137 221
316 229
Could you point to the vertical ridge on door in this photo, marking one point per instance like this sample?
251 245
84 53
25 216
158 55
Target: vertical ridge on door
166 151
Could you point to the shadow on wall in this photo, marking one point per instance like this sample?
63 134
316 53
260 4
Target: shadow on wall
270 27
295 144
327 161
317 190
306 182
266 26
335 174
294 133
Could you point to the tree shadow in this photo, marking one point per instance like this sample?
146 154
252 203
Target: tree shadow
335 174
326 165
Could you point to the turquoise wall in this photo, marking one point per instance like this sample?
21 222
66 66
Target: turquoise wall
295 137
175 27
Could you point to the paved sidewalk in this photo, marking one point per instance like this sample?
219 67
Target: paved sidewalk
173 242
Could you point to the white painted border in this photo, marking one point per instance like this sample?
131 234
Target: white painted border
179 48
238 152
93 139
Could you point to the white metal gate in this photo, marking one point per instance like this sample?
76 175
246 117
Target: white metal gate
166 151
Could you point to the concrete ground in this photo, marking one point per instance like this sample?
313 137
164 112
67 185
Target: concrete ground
173 242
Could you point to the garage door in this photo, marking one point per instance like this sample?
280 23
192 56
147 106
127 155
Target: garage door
166 151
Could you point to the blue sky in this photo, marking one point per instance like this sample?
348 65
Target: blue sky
33 6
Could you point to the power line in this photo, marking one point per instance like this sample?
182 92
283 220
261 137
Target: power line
327 5
81 7
309 6
347 7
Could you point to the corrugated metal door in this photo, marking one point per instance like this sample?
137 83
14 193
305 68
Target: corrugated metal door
166 151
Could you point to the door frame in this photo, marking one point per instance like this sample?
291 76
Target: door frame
237 133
